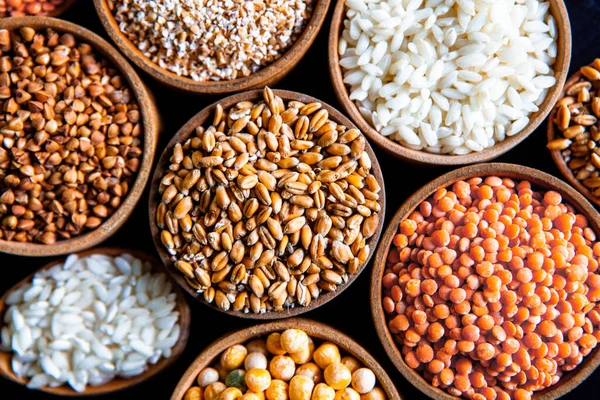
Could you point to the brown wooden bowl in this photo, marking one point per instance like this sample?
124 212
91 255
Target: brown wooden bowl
184 133
314 329
118 383
561 67
559 160
540 180
151 126
266 76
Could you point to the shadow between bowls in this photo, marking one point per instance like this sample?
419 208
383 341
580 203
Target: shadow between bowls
187 130
118 383
62 8
552 133
269 75
539 179
151 129
314 329
561 66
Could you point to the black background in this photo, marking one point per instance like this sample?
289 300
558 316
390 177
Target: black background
349 312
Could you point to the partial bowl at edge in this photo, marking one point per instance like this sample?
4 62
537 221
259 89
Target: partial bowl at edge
561 67
151 127
117 383
538 179
314 329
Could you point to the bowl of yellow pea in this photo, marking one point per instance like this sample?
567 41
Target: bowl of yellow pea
291 359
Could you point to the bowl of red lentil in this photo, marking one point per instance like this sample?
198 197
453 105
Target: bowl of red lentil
22 8
296 358
79 138
486 285
261 43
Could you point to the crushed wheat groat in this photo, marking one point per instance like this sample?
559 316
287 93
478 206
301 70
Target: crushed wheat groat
212 40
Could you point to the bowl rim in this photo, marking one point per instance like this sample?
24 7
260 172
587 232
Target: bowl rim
314 329
558 10
150 124
186 131
552 133
117 384
539 179
269 74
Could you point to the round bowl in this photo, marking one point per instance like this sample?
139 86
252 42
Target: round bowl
151 128
268 75
559 160
118 383
518 172
561 67
62 8
184 133
314 329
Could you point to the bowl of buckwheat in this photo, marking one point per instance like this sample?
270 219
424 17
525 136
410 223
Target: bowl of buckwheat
79 131
267 204
214 47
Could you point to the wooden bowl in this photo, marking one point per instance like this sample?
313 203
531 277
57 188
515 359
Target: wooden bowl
559 160
561 66
118 383
151 126
314 329
266 76
540 180
184 133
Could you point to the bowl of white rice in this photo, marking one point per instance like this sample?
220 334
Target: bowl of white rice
449 82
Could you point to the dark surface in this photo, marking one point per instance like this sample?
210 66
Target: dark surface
350 312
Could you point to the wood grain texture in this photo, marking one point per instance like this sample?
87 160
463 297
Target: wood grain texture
204 117
561 67
540 180
269 75
151 128
118 383
314 329
559 160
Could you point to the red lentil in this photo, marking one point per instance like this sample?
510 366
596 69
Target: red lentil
495 291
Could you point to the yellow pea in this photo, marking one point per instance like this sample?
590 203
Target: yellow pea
323 392
274 344
278 390
258 380
301 388
325 354
337 375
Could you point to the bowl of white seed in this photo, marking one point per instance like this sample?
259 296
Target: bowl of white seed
449 82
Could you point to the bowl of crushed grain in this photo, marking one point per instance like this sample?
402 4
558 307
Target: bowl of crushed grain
486 284
428 91
261 224
85 151
297 356
218 47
